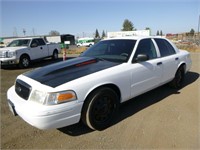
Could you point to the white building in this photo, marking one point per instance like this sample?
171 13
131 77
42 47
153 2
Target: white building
128 33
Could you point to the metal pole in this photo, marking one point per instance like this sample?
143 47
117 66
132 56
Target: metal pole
198 25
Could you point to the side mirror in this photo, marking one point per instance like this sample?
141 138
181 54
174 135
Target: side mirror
34 45
141 58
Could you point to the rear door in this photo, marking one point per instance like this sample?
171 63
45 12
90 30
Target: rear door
146 75
168 58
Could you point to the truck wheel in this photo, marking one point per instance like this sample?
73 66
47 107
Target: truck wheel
177 82
24 61
100 108
55 55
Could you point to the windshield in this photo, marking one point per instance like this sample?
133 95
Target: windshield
111 50
16 43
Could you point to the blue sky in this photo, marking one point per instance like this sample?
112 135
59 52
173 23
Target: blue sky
83 17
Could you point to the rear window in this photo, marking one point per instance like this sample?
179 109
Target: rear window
165 47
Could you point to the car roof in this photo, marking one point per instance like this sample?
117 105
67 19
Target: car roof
133 37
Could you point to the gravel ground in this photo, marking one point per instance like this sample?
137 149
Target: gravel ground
160 119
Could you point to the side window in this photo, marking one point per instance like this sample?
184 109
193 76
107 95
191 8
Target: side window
165 47
41 42
147 47
34 43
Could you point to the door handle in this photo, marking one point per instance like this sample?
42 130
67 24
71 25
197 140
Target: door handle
159 63
41 48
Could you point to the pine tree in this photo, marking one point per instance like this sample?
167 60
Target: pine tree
161 33
103 34
157 33
97 34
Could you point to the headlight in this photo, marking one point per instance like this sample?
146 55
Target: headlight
53 98
11 54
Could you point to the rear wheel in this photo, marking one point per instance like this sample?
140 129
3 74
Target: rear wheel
100 108
55 55
178 80
24 61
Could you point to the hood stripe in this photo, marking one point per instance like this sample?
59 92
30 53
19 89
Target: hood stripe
63 72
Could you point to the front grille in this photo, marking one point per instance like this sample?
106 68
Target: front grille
22 89
2 54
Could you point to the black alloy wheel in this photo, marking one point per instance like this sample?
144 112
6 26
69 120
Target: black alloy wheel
100 108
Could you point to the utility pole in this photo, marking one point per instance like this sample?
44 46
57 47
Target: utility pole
24 31
198 25
33 31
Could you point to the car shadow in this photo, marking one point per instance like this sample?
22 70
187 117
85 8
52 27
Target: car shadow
134 105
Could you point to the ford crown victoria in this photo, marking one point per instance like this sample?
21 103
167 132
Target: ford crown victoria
90 88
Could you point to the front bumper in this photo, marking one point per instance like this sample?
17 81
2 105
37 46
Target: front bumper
44 117
9 61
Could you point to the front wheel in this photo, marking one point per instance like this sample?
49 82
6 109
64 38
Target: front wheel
100 108
24 62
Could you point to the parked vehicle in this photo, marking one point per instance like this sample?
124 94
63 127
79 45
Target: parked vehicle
85 42
2 45
25 50
91 87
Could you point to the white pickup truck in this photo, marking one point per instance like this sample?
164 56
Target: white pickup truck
91 87
23 51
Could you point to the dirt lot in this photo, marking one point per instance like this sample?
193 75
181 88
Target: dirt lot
163 118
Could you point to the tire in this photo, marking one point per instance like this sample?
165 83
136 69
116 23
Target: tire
55 55
100 108
24 61
178 80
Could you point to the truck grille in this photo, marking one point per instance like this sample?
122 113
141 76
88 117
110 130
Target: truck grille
22 89
3 54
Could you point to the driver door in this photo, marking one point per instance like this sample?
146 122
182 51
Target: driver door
145 75
37 50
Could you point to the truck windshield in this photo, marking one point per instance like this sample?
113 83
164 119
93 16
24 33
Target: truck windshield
21 42
111 50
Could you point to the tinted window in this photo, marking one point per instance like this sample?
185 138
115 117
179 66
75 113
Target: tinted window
147 47
112 50
41 41
34 41
165 47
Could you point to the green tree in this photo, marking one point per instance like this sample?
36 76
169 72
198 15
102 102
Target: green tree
192 32
128 26
157 33
161 33
147 28
103 34
97 34
54 33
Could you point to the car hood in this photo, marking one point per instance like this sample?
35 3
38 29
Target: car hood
63 72
12 48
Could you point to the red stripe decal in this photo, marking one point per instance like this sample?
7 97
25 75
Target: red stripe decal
86 63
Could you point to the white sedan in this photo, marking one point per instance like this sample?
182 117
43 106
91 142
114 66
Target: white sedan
91 87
